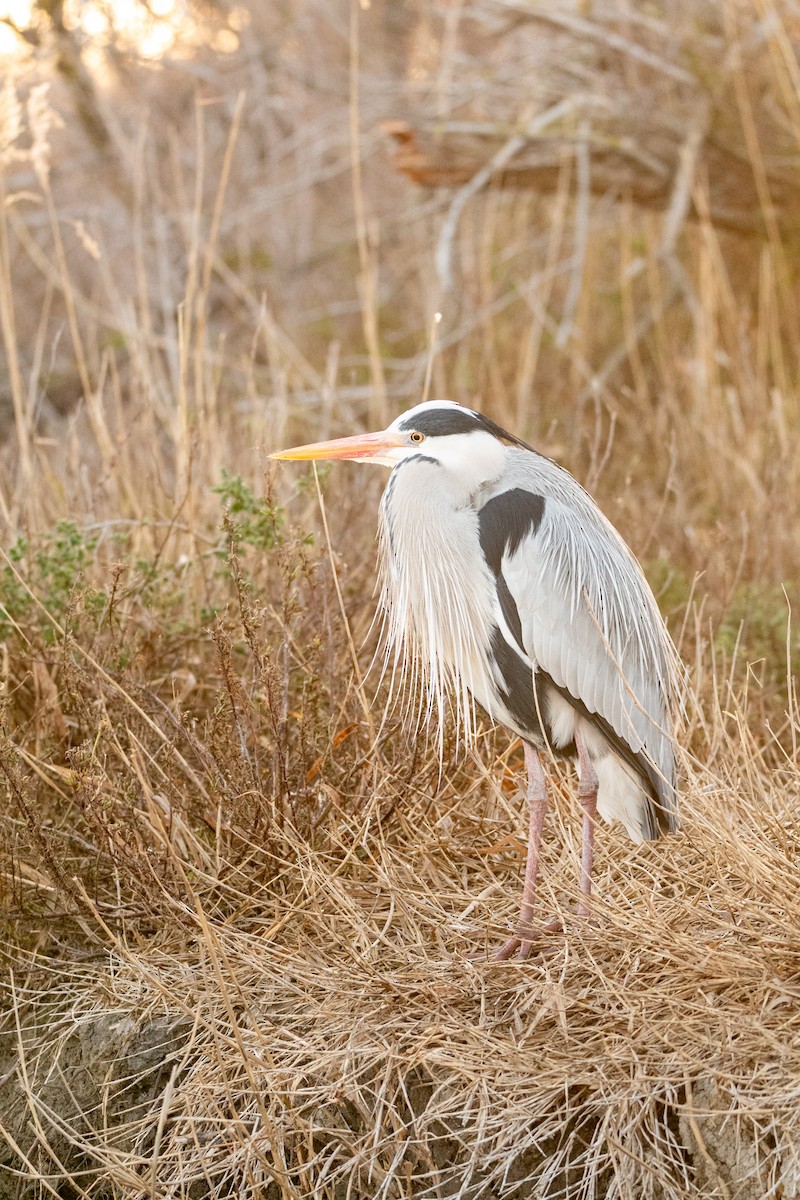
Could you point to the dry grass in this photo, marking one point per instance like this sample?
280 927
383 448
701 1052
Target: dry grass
241 903
297 1004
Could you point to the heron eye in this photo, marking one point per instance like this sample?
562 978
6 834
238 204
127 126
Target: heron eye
416 436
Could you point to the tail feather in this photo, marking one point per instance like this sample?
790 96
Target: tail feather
623 796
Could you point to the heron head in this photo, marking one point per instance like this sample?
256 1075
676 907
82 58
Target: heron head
438 431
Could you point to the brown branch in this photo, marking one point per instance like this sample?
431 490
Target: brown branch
436 156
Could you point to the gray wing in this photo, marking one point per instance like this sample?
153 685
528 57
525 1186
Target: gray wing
585 616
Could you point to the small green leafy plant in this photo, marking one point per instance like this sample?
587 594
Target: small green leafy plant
51 569
254 522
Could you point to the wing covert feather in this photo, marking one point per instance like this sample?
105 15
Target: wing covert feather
588 617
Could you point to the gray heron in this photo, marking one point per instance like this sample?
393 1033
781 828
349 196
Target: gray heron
504 584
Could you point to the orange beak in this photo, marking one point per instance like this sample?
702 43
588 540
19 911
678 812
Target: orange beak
360 446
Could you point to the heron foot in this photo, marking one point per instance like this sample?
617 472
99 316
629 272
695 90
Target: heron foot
522 942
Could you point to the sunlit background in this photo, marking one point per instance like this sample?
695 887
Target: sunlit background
149 30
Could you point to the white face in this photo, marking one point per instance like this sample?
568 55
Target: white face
470 451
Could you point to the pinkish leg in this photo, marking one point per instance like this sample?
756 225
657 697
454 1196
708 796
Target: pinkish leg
587 794
522 940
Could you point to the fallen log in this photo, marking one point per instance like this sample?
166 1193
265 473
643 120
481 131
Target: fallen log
726 189
634 97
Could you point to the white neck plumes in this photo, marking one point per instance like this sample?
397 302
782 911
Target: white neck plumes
435 628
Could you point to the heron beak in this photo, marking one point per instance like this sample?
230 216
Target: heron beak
361 446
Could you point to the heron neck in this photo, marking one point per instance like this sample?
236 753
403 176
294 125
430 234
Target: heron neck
428 544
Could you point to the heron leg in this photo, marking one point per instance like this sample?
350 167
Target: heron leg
522 940
587 794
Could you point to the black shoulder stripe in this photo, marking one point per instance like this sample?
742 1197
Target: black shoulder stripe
505 520
518 685
510 611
